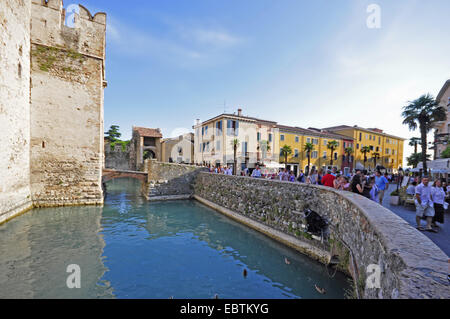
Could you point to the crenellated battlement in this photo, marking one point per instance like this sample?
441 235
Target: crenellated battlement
48 28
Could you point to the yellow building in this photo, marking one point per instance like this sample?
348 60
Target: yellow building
297 137
389 147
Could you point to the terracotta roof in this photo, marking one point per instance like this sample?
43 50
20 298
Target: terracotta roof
147 132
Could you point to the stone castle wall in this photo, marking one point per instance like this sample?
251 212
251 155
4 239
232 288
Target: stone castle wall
51 106
412 266
14 107
67 77
169 180
119 158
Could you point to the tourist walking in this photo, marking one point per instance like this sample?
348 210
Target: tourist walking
357 185
382 184
328 179
424 204
292 177
301 177
313 177
320 176
439 202
256 172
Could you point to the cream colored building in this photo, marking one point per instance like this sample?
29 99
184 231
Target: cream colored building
442 132
213 141
179 149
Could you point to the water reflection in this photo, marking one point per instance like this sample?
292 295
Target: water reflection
131 248
36 248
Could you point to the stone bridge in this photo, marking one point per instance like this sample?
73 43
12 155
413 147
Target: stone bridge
109 174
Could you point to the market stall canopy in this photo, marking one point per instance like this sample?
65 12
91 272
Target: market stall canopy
273 165
437 166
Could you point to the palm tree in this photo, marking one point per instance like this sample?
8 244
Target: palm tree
309 147
375 156
348 151
286 151
365 150
413 141
423 113
415 159
332 146
235 143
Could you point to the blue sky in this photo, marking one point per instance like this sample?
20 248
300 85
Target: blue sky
303 63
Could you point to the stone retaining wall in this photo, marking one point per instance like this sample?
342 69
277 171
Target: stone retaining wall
361 232
169 180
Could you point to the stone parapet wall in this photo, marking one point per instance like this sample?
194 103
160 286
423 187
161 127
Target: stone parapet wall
169 180
411 265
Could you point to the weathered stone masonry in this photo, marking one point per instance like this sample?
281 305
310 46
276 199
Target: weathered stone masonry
51 110
169 180
15 194
412 265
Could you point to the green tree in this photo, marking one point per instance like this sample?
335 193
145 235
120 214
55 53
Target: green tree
348 151
365 150
309 147
235 144
415 159
286 150
332 146
113 134
446 153
414 141
423 113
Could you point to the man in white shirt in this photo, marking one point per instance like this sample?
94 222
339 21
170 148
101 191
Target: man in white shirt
424 204
256 172
229 171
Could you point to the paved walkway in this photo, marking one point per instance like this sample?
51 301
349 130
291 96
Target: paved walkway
408 213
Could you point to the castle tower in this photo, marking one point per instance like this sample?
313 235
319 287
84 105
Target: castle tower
14 107
67 81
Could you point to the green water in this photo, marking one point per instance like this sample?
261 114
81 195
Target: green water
134 249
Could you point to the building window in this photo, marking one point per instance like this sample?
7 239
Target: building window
357 146
232 128
371 147
314 154
325 142
324 154
207 146
282 137
258 136
360 137
270 137
297 139
219 128
308 140
244 148
296 153
315 141
218 145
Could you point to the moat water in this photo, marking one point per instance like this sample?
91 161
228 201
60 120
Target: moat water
134 249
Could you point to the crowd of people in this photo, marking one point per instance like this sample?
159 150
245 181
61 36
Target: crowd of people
431 199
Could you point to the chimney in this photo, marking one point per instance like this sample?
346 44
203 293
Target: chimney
239 112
